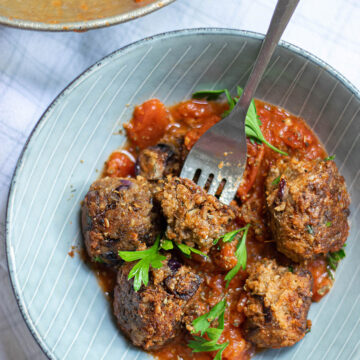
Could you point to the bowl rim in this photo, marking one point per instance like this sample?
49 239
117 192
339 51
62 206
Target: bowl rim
81 26
88 72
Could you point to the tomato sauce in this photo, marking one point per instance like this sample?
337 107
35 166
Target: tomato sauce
190 119
120 164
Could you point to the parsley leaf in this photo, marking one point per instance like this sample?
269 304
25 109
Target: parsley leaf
276 180
203 322
328 224
332 157
228 237
334 258
253 123
202 325
202 345
252 120
219 353
166 244
231 101
140 271
208 94
187 250
241 256
98 259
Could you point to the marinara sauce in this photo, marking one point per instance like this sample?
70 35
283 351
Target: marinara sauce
151 122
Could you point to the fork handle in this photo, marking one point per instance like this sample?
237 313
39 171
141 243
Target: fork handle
282 14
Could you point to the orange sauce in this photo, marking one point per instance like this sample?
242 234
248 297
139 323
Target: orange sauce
152 121
322 281
106 278
120 164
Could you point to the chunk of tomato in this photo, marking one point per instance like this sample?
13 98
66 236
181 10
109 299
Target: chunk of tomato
148 124
120 165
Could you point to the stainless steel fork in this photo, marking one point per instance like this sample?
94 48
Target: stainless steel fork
219 156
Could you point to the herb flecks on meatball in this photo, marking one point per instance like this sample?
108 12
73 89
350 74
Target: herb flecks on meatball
154 315
193 216
118 214
278 304
308 206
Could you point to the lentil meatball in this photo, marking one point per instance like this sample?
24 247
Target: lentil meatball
165 158
278 304
153 315
157 161
308 206
193 216
118 214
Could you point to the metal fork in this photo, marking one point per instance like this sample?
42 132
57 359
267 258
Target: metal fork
219 156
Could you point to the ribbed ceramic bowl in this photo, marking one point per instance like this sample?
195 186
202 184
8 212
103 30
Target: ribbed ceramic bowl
78 15
58 295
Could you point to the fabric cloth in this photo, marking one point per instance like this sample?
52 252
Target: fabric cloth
36 66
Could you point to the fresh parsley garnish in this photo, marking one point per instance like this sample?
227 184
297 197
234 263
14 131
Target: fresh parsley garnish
208 94
291 268
140 271
232 102
252 121
151 256
310 229
328 224
332 157
276 181
228 237
203 322
241 255
187 250
98 259
333 258
240 252
202 325
166 244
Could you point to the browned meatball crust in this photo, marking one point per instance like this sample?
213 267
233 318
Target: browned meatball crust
153 315
118 214
308 208
157 161
278 304
193 217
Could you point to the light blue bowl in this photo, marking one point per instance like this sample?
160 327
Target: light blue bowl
59 297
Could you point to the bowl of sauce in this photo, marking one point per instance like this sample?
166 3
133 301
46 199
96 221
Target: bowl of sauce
73 15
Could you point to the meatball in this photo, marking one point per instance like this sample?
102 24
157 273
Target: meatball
165 158
278 304
193 216
153 315
118 214
308 207
157 161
